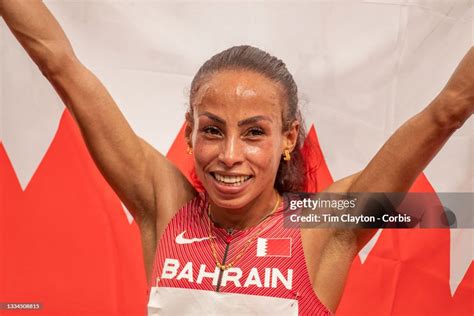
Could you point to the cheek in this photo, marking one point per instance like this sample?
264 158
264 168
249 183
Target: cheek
205 153
263 155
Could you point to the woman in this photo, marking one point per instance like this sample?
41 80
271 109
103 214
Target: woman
244 131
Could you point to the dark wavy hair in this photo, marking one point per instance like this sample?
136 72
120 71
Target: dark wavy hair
291 174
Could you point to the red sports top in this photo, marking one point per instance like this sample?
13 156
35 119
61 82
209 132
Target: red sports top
269 278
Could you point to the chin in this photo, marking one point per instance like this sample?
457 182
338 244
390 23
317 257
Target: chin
227 201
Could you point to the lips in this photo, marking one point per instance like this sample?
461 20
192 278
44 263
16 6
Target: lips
230 180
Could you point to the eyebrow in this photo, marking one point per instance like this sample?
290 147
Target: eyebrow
213 117
254 119
246 121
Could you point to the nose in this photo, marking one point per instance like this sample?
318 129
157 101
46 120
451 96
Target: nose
232 151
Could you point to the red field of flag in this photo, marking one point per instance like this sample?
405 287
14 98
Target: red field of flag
273 247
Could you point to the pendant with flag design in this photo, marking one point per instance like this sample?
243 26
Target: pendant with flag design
274 247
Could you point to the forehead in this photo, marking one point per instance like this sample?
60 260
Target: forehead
239 93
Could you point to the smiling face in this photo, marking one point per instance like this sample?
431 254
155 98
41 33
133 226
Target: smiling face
237 136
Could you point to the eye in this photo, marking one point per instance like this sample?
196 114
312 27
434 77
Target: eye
254 132
211 131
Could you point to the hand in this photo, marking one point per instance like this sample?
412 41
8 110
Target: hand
455 103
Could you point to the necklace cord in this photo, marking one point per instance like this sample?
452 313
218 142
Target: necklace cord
244 248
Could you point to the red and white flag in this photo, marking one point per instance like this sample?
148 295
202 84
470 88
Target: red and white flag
274 247
50 187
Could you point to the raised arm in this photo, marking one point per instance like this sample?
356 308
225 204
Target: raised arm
148 184
409 150
393 169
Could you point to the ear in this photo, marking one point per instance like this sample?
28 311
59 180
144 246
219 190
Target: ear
188 131
291 136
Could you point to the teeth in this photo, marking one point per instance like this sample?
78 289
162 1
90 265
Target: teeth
232 180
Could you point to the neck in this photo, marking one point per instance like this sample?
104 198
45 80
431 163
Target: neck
248 216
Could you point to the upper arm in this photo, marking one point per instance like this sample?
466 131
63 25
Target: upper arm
342 185
139 174
172 188
329 252
142 177
359 237
324 235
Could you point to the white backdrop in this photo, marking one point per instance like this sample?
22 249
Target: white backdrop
362 67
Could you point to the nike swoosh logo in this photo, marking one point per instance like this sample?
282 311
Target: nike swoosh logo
181 240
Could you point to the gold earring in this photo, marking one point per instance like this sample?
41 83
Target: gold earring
189 150
286 155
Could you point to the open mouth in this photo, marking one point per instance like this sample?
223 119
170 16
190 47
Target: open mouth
233 181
